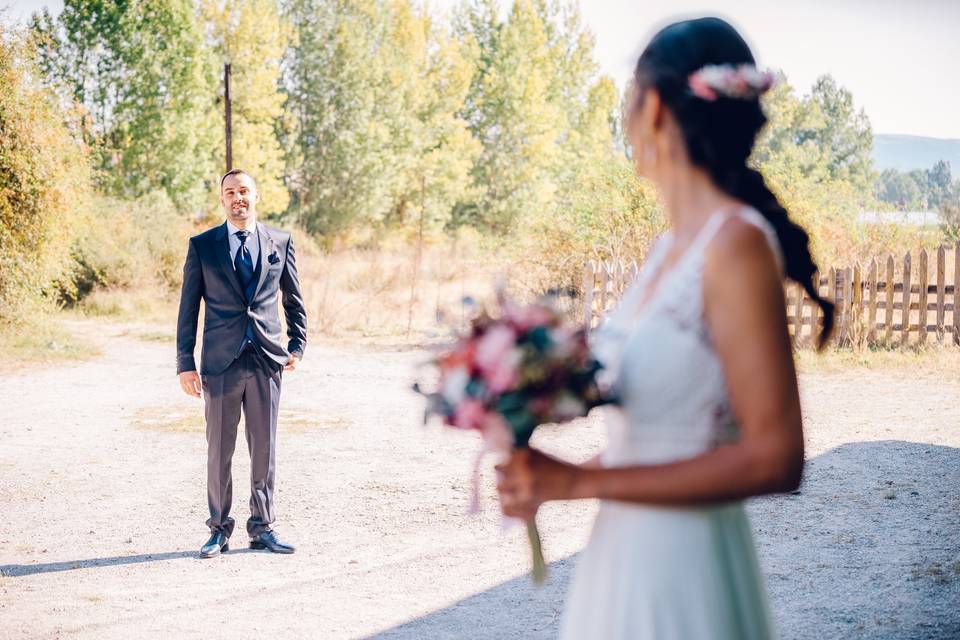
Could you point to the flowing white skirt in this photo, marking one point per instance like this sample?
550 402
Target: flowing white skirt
668 574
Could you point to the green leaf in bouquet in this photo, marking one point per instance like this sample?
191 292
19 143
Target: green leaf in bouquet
513 407
539 337
475 388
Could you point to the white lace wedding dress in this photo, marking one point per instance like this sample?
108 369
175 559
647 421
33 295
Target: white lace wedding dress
669 573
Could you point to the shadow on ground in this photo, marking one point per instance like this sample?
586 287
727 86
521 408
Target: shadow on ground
868 548
17 570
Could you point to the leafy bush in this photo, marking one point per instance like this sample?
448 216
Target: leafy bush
123 244
44 184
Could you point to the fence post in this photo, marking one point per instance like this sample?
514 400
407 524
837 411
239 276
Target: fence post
606 268
922 315
872 309
798 317
941 291
848 307
815 310
838 308
888 306
589 282
956 293
905 304
856 299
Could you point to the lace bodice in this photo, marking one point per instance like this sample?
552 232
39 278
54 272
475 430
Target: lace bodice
662 362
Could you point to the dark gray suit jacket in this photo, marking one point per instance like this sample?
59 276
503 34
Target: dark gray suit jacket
208 275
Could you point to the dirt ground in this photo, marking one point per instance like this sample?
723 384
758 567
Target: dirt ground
102 480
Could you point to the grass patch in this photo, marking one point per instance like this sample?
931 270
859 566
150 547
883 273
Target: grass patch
156 336
191 420
173 420
941 361
294 421
45 340
147 304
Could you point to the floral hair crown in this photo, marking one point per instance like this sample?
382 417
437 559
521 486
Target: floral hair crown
741 82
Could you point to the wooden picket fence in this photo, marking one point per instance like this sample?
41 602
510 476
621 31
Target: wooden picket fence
881 303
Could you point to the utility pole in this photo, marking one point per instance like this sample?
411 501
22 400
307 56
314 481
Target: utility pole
228 115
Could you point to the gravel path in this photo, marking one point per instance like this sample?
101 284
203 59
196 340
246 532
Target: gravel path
102 480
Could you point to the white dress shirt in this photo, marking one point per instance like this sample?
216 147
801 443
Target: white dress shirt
253 243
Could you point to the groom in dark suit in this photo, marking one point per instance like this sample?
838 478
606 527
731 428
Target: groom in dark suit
237 269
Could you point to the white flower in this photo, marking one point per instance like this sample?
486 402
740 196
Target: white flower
455 386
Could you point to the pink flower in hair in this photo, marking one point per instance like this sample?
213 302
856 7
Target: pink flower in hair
701 88
743 82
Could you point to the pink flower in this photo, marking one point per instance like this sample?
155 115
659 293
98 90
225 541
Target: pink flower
741 82
470 414
494 346
505 373
701 88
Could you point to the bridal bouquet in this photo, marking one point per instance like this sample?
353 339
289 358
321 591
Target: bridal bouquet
509 374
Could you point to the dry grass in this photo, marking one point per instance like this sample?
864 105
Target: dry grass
165 419
153 304
390 293
940 361
44 340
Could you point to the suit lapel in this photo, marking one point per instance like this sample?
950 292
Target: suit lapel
222 249
266 248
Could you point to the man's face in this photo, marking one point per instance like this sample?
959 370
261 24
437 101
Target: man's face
238 196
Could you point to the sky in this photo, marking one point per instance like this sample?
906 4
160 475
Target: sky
897 57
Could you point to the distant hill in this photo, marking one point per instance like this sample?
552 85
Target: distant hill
914 152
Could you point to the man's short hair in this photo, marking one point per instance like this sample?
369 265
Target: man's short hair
236 172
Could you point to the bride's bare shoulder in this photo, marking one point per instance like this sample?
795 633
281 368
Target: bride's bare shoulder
741 245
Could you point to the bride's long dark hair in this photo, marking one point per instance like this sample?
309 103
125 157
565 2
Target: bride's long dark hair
720 134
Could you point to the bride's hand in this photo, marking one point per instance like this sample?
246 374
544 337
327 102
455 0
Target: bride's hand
530 478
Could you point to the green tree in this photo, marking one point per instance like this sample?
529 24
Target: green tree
804 155
375 92
339 170
146 84
252 36
845 133
901 190
939 184
427 73
511 113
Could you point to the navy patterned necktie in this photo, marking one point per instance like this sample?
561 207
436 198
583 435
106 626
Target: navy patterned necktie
243 261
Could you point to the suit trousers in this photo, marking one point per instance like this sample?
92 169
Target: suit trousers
251 382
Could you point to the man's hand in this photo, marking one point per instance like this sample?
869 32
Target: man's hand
190 383
291 363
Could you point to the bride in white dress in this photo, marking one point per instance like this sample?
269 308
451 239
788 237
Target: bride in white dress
710 412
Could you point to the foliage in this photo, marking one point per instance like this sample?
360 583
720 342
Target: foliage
375 87
144 81
127 244
253 37
365 121
917 190
44 184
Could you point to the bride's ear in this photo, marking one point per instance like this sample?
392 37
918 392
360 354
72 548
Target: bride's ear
652 114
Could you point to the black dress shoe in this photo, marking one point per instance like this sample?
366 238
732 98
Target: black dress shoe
268 540
218 542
